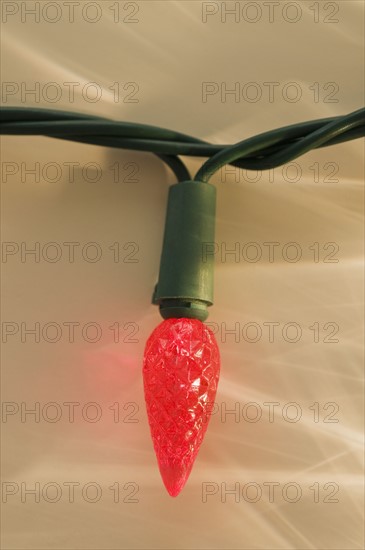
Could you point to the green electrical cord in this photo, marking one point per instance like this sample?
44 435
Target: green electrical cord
261 152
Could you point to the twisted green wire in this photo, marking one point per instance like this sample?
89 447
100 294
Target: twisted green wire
261 152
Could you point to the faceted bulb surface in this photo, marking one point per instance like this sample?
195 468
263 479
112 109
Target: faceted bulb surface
180 374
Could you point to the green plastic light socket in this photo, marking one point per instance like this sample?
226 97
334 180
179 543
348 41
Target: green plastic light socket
185 284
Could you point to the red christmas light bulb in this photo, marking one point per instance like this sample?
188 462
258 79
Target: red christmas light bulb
180 374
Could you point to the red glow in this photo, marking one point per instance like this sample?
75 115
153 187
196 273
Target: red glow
180 373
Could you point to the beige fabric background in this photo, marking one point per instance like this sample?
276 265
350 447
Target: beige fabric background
296 472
